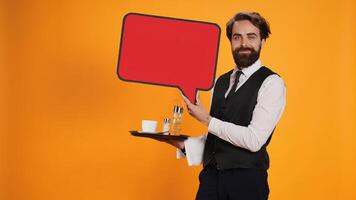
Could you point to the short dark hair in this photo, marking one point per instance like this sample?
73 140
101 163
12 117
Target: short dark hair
255 18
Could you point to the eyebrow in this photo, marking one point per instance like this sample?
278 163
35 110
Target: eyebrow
248 34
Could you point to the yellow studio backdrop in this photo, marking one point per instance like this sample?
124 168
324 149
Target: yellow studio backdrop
65 115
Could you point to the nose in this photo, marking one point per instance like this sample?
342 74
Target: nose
243 42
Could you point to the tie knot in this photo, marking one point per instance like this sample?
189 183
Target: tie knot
237 75
239 72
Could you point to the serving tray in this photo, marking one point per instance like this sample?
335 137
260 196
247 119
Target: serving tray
159 135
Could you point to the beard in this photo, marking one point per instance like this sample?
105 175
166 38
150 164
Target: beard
244 60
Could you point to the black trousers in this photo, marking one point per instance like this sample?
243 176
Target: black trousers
232 184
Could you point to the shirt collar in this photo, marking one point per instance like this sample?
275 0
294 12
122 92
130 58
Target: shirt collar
248 71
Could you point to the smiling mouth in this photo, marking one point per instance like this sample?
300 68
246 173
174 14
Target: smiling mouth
244 51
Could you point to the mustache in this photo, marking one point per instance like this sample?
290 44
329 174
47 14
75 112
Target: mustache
243 49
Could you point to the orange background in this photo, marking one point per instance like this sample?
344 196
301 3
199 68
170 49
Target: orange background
65 115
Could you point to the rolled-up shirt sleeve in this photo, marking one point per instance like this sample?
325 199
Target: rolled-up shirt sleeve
270 105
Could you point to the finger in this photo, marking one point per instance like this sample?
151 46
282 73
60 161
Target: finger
186 100
189 108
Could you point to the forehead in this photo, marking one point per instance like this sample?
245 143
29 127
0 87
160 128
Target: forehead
244 27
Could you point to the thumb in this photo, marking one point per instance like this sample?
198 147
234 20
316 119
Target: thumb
197 98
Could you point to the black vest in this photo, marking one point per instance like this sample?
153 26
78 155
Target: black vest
237 109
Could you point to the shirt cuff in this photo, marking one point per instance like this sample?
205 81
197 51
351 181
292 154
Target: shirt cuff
194 147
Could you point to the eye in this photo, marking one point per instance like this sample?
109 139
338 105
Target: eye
236 37
252 37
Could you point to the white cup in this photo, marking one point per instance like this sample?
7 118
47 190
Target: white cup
149 126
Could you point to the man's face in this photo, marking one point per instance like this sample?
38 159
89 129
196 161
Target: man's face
246 43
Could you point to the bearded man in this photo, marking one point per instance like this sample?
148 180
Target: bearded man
247 103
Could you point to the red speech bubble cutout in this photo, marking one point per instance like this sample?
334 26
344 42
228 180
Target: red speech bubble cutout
169 52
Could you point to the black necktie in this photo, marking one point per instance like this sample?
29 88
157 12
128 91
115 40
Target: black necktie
232 91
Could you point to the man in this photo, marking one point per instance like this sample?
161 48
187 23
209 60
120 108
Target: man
247 103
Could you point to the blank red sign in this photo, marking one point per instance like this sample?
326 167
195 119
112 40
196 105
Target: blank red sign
169 52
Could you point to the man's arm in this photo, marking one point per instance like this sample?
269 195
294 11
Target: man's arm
268 110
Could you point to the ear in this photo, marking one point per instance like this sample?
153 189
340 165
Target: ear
263 42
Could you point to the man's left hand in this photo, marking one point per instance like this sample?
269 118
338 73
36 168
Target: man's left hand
197 110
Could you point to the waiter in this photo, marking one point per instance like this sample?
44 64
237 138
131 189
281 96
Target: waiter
247 103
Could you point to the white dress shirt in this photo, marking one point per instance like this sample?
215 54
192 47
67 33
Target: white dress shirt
270 105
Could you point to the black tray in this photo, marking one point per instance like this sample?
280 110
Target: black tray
159 136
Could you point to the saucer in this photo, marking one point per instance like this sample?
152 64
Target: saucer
154 132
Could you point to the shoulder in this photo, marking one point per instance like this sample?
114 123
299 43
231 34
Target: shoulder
272 83
225 76
272 77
